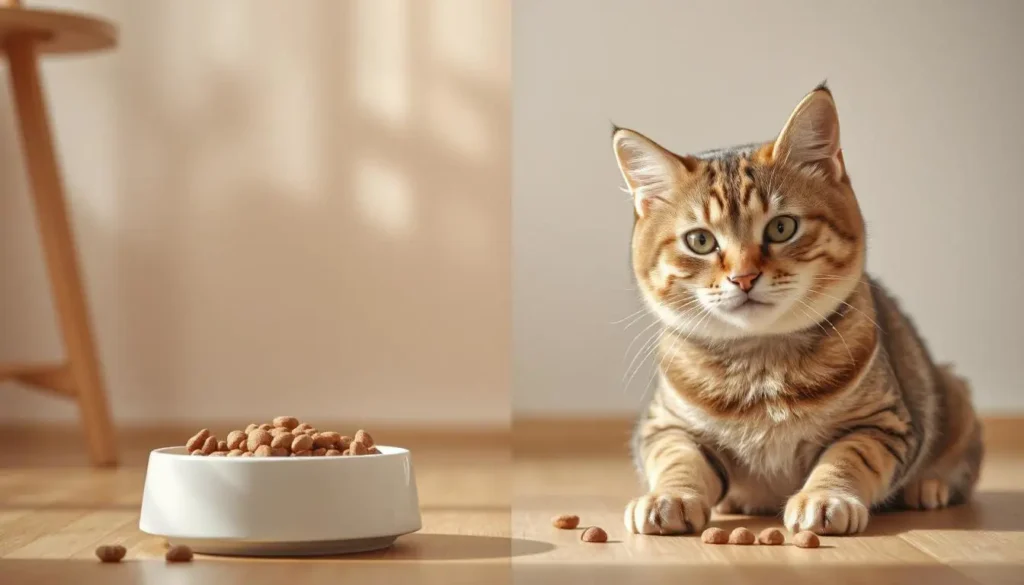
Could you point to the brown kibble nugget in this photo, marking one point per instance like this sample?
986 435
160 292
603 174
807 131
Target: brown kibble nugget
222 446
245 454
771 536
345 442
327 440
566 521
266 427
279 452
235 453
252 427
319 452
111 553
179 554
373 451
262 451
357 448
257 438
236 439
364 438
197 440
197 452
278 431
219 454
741 536
806 539
303 453
210 445
302 443
594 534
714 536
333 453
288 422
304 427
282 441
346 452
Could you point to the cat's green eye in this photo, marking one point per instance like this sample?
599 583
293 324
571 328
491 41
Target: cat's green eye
780 229
701 242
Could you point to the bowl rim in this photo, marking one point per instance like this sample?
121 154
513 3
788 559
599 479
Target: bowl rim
179 452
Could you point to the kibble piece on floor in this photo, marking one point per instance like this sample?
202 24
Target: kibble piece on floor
771 536
714 536
566 521
111 553
594 534
741 536
179 554
806 539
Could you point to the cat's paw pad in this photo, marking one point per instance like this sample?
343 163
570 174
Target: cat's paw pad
826 512
926 494
667 513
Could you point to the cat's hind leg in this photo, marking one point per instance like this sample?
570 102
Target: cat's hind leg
952 472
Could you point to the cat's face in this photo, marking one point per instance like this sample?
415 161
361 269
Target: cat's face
760 240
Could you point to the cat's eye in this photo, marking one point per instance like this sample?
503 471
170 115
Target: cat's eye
780 229
701 242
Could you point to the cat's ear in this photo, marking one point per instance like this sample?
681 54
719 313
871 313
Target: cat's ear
651 172
810 137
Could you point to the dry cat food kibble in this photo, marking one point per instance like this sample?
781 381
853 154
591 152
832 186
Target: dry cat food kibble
741 536
806 539
594 534
771 537
566 521
285 437
714 536
178 554
112 553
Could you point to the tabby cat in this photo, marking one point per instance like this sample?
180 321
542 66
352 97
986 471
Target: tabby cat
789 380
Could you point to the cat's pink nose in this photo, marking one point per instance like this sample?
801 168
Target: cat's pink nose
745 281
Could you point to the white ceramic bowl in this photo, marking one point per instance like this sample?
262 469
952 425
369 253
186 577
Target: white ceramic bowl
280 505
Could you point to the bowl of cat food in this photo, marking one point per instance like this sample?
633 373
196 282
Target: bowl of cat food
280 489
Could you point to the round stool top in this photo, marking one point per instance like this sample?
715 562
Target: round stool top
58 31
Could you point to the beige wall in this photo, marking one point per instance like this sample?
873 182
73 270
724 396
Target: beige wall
281 206
929 93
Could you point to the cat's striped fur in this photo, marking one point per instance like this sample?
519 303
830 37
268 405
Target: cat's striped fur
789 380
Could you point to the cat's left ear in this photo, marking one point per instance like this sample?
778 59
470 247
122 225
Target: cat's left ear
810 137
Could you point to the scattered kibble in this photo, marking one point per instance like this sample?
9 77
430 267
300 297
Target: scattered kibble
806 539
741 536
111 553
594 534
566 521
285 437
771 537
714 536
178 554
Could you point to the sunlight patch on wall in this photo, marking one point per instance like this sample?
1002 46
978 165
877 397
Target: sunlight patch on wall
458 122
381 59
230 25
472 35
384 196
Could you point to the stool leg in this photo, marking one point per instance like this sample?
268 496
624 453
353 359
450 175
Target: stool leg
59 249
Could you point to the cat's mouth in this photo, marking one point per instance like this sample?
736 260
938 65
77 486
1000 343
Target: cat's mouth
749 304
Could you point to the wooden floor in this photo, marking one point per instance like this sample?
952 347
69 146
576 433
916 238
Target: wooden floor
486 519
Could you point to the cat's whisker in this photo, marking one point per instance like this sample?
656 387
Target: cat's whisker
866 316
649 353
825 319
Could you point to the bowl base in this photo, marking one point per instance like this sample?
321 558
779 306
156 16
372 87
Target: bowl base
241 548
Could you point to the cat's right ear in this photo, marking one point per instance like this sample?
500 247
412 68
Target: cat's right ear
651 172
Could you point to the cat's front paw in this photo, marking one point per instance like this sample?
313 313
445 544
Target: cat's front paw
826 512
667 513
926 494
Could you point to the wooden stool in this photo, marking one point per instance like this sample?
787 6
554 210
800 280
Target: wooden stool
24 34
